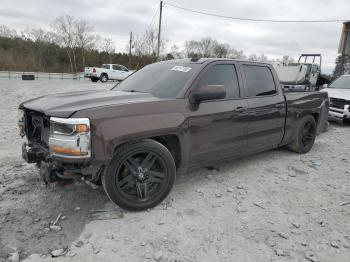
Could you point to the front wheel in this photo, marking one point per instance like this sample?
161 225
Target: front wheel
305 135
140 175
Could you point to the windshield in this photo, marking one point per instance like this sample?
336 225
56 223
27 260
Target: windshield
164 80
342 82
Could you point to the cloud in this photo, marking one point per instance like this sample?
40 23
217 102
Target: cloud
116 18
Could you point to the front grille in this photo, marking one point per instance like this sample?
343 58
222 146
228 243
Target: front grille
337 103
37 127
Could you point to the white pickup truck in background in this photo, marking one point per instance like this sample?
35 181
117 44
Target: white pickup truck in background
107 72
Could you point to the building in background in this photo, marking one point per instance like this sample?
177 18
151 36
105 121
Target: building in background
343 61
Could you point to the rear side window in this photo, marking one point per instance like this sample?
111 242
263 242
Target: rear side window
105 66
222 75
259 80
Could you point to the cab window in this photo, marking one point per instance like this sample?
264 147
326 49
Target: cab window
259 80
222 75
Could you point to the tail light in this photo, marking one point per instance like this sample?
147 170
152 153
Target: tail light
94 70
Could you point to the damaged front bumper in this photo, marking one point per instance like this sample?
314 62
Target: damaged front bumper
55 168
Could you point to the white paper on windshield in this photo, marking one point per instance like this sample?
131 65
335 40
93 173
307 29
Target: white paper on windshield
181 68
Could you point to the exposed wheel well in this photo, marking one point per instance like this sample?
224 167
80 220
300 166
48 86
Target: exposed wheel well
316 116
172 143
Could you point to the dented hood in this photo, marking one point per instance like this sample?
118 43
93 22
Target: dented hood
66 104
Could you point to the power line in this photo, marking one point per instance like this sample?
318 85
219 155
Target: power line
154 15
254 19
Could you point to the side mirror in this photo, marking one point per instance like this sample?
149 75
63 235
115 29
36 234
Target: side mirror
209 92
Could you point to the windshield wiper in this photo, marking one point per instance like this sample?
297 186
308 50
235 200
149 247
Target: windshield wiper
133 91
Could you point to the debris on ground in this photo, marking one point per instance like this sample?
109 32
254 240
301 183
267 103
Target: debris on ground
55 228
230 189
280 252
58 218
158 255
316 163
282 235
14 257
57 252
259 205
106 214
311 257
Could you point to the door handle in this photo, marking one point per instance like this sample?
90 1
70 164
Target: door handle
280 105
240 109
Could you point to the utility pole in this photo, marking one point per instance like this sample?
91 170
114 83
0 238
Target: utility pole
160 26
130 46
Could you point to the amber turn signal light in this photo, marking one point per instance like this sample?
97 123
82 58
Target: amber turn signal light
68 151
82 128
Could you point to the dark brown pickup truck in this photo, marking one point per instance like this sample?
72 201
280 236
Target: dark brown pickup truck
168 117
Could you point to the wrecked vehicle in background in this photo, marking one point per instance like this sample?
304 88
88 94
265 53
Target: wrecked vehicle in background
303 75
169 117
339 96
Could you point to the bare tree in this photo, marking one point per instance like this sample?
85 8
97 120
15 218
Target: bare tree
65 29
148 43
107 46
7 32
84 38
208 47
221 50
176 52
233 53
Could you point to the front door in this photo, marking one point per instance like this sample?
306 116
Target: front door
116 72
217 128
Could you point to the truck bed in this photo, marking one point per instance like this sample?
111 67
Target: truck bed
301 103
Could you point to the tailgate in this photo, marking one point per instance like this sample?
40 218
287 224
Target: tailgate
88 70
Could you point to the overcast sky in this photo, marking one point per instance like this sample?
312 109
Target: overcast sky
116 18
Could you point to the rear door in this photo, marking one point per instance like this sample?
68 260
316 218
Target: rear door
217 128
124 72
266 108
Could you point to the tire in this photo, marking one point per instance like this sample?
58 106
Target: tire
305 136
140 175
94 79
104 78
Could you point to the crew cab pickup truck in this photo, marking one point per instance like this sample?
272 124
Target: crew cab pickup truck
166 118
107 72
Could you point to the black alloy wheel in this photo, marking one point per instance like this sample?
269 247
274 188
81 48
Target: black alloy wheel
305 135
140 175
308 134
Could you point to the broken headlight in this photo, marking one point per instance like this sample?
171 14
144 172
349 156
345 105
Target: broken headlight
21 122
70 137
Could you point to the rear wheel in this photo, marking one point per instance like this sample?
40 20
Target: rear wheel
104 78
94 79
140 175
305 135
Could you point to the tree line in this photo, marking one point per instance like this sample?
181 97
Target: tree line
72 44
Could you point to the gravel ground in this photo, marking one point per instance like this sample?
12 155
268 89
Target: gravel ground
275 206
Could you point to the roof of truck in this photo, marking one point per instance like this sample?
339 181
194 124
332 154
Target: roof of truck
207 60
